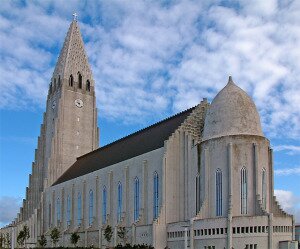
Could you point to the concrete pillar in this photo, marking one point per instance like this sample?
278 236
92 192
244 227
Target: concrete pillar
206 179
255 176
110 194
270 235
83 204
97 214
126 202
145 192
229 213
192 234
185 238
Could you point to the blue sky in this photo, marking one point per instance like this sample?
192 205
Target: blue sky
151 59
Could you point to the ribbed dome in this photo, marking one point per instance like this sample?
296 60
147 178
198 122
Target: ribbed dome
232 112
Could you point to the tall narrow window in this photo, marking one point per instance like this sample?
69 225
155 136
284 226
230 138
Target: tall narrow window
54 84
91 207
68 210
79 80
58 80
119 214
79 206
104 200
136 205
49 212
263 188
244 191
218 192
155 196
58 210
88 85
71 80
198 197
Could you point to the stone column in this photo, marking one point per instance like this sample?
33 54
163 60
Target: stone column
110 196
206 182
185 238
83 204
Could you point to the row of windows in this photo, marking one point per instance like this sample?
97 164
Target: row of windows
235 230
210 231
87 86
71 83
177 234
136 203
243 191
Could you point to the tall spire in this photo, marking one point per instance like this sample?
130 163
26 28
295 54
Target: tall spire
73 58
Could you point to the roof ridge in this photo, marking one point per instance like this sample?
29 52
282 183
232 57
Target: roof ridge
138 131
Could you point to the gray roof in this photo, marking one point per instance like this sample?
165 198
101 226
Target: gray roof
138 143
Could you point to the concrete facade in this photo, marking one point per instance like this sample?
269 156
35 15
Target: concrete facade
214 174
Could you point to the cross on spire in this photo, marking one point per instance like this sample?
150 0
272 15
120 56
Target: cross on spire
75 16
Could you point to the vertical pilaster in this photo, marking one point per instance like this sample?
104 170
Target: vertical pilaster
73 205
229 214
96 212
255 176
145 191
271 180
206 183
126 202
83 204
270 244
110 197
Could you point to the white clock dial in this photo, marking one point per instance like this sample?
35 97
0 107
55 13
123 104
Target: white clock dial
79 103
53 104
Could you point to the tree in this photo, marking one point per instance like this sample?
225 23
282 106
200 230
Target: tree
7 239
42 241
55 235
74 238
108 233
122 234
21 238
2 240
26 233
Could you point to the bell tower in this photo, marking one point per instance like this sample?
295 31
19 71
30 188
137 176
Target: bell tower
71 116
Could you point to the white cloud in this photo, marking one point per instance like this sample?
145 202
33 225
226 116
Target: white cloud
289 202
152 59
290 149
287 171
9 206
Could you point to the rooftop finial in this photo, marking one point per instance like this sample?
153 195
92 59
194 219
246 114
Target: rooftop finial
75 16
230 79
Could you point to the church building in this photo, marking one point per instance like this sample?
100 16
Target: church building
202 178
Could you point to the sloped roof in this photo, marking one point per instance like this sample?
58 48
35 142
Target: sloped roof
138 143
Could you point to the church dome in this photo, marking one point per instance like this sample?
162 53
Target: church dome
232 112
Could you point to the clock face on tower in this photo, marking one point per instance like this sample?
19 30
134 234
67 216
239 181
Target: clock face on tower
79 103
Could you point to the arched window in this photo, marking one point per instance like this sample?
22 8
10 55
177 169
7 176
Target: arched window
218 192
58 210
136 199
88 85
79 206
155 196
71 80
244 191
68 210
79 80
263 188
91 207
119 214
104 200
198 197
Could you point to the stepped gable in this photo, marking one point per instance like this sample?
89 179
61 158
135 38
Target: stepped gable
138 143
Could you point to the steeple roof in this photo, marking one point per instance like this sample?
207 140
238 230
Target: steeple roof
73 58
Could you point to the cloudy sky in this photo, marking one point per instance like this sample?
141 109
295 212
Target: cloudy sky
151 59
